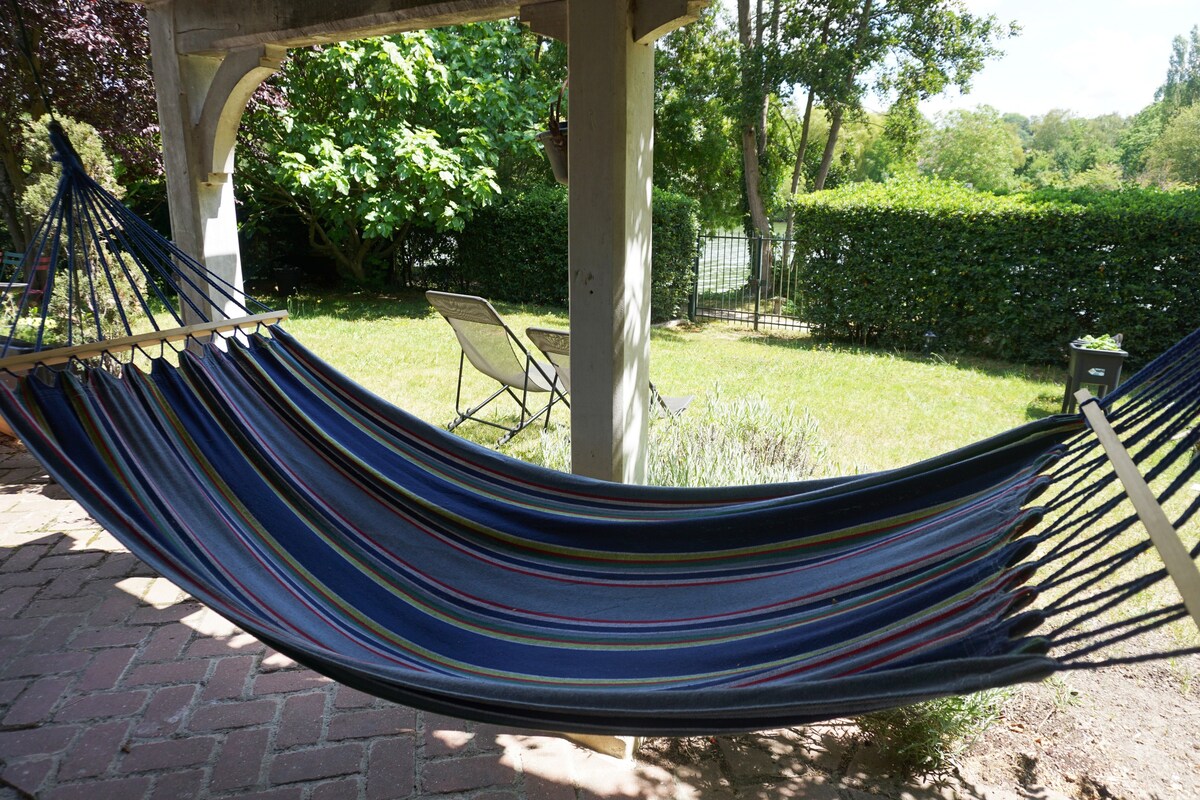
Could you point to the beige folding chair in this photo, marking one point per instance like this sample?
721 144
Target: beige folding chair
556 347
493 349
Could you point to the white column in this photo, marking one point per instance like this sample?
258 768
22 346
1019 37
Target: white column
611 157
200 103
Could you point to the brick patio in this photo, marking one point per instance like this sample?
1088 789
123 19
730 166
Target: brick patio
115 684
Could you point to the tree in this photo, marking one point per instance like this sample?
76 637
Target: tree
1175 155
695 72
975 147
86 60
1182 86
379 135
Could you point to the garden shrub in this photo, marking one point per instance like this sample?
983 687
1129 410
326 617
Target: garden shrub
516 250
1016 277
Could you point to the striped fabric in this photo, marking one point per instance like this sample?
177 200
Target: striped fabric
414 565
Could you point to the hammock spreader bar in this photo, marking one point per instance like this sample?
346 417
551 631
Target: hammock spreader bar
1178 562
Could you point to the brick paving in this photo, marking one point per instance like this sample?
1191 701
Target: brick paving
116 684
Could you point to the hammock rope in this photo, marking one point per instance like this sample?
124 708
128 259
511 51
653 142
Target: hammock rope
416 566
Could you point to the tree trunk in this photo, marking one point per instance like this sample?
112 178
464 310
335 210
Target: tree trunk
797 172
754 139
835 125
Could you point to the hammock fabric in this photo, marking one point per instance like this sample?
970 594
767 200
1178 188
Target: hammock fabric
416 566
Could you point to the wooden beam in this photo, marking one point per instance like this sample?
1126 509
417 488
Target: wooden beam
1166 539
547 18
205 330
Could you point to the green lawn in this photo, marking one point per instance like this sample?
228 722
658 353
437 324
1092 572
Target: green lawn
872 409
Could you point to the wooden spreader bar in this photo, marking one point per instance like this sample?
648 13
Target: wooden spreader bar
201 331
1166 539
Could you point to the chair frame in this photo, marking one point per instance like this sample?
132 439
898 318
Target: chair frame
519 394
557 342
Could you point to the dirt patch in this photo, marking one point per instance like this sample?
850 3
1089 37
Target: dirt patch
1129 732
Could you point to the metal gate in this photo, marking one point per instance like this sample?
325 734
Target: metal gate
747 279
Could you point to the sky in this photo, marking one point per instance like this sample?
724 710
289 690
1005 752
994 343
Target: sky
1090 57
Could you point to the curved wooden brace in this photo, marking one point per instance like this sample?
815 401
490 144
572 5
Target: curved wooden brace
240 73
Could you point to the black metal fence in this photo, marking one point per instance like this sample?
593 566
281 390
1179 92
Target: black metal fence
747 279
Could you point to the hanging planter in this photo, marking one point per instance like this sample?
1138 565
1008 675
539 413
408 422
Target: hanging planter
554 139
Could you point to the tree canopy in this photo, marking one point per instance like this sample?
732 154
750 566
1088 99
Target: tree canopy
89 61
377 135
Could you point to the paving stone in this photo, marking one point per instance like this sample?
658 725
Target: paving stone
106 669
101 706
229 678
352 698
42 740
71 561
179 785
296 680
27 776
539 788
54 634
171 754
282 793
464 774
114 636
94 751
242 644
113 609
24 558
391 769
11 690
169 673
59 605
123 788
36 701
315 763
365 724
241 760
166 643
301 720
14 628
17 598
45 664
232 715
336 790
150 615
166 712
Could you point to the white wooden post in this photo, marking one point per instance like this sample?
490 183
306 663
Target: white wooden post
201 98
611 161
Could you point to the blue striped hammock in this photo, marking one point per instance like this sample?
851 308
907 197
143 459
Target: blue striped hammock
411 564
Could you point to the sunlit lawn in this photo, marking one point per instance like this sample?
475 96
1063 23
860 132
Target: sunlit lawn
873 409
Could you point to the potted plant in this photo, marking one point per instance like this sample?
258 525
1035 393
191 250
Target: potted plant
554 139
1095 364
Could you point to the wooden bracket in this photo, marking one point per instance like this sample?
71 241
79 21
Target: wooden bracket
1166 539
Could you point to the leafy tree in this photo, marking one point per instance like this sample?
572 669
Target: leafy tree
1175 155
86 60
695 68
379 135
1145 127
1182 86
975 147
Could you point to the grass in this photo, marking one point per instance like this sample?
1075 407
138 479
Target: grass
870 409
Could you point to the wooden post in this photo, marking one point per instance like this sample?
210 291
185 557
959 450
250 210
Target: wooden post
611 156
1175 556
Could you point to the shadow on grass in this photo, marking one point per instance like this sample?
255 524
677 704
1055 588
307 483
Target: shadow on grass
988 366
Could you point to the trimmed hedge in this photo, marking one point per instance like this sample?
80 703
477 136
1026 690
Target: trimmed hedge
1017 277
517 251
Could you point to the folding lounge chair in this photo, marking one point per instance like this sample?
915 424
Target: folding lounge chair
556 347
493 349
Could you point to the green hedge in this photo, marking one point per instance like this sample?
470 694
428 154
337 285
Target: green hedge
517 251
1015 277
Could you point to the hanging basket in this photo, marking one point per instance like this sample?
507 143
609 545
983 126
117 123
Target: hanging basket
554 139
